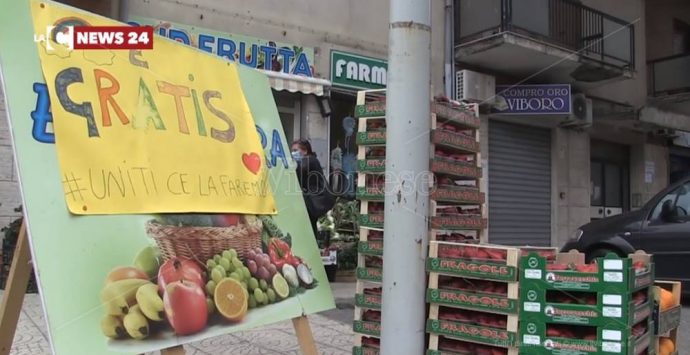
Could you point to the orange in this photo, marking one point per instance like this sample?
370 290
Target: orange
666 346
666 299
231 299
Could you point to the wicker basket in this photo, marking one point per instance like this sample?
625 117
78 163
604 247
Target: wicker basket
202 243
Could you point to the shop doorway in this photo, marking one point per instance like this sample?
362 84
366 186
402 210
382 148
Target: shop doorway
609 180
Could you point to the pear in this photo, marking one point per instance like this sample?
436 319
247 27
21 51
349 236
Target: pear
148 260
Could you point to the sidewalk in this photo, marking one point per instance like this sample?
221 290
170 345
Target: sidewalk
332 332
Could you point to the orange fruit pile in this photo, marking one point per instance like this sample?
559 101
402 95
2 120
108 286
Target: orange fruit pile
666 346
666 300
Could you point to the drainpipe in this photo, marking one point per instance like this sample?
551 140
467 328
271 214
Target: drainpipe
407 190
450 49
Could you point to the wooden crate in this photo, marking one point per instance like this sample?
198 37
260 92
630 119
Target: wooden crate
667 320
434 346
476 301
673 334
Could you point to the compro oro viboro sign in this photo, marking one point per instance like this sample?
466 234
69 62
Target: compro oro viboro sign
355 71
533 99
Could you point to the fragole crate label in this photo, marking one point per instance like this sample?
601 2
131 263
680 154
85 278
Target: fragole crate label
368 301
362 350
369 328
472 333
458 169
473 269
369 274
371 220
371 247
457 195
455 140
372 109
456 221
471 300
372 165
371 193
371 138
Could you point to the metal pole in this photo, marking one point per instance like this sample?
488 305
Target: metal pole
449 50
407 163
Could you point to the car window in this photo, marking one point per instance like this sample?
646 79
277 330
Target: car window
680 197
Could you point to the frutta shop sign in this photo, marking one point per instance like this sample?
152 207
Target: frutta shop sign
253 52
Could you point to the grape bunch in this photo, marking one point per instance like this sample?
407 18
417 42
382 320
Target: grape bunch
260 266
256 274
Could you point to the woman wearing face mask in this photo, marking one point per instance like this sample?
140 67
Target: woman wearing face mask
312 181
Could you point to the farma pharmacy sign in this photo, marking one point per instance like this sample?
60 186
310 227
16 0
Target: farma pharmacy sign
359 72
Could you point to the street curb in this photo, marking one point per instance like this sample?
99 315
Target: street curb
344 303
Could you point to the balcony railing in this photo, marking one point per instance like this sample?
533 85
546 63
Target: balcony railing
670 75
564 23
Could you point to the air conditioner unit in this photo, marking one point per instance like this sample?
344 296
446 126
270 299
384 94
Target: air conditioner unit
581 116
471 86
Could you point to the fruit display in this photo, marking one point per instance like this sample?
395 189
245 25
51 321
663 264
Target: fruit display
478 261
540 338
183 297
457 238
569 272
473 317
666 346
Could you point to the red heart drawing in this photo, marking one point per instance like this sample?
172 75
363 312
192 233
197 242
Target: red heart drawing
252 162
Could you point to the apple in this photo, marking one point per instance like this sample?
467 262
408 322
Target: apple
226 220
178 268
185 307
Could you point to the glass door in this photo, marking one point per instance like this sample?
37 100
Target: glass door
608 187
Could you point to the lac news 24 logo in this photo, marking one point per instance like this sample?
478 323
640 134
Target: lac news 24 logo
82 36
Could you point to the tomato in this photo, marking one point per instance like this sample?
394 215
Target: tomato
185 307
176 269
226 220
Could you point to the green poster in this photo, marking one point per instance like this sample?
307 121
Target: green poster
138 283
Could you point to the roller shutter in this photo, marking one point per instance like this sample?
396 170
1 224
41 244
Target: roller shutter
519 184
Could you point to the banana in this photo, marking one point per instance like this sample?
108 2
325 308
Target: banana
118 296
150 302
112 327
136 324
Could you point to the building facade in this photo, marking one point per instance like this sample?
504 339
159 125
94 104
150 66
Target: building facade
627 67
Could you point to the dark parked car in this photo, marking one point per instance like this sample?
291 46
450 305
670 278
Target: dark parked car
661 228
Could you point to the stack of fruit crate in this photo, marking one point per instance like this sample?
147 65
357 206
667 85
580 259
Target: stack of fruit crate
667 316
568 306
371 155
457 204
473 296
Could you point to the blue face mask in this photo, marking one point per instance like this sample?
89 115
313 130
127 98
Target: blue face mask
297 155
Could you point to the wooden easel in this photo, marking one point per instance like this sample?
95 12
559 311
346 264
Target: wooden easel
18 279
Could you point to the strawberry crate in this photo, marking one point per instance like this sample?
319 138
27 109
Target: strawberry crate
611 273
463 116
584 308
376 108
371 214
467 237
368 322
615 338
371 187
473 294
370 274
369 298
440 345
472 326
667 307
366 345
456 169
454 142
488 262
371 137
455 217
